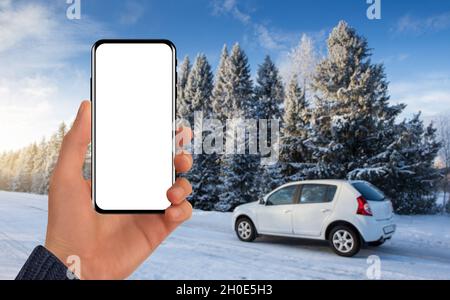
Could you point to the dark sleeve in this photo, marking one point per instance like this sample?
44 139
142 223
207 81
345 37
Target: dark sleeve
43 265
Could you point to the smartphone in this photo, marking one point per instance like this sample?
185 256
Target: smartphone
133 108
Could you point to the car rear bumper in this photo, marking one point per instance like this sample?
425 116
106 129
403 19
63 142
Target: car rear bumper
376 230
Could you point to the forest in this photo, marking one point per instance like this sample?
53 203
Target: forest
337 121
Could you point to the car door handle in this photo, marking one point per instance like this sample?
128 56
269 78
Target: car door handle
324 210
286 211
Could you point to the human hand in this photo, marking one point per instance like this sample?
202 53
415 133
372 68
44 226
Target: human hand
108 246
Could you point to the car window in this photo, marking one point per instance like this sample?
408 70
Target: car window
317 193
282 196
369 191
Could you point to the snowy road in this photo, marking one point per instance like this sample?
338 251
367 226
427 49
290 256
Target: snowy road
206 248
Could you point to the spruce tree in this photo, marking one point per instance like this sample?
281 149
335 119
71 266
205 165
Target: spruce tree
210 188
412 177
182 79
268 102
220 90
354 134
199 88
199 92
352 114
238 170
268 91
52 151
38 168
294 155
25 172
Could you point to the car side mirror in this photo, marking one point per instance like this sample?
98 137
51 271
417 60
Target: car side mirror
263 201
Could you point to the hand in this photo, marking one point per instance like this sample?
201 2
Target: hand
109 246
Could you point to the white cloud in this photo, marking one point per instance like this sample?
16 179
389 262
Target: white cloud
428 93
18 25
266 37
19 120
417 25
40 84
224 7
35 36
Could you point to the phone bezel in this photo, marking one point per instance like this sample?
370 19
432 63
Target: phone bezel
93 101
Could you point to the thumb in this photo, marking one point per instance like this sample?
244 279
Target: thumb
75 143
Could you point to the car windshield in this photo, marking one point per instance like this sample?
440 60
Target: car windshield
368 191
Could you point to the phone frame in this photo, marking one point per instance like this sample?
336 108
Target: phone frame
93 112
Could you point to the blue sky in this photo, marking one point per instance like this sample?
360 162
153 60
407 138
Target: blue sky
45 57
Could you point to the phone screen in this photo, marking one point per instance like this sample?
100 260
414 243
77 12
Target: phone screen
133 87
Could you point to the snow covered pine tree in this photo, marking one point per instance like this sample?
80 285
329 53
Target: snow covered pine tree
294 156
269 94
183 75
198 93
238 170
353 124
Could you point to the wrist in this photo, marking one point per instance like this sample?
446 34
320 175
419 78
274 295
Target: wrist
66 256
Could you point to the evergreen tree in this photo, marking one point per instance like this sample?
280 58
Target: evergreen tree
354 134
38 168
183 75
220 89
301 63
238 170
240 102
352 118
7 168
412 177
294 156
3 170
52 151
268 91
268 102
199 89
210 187
18 162
199 92
26 167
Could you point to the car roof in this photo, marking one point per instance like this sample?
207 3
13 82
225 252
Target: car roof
322 181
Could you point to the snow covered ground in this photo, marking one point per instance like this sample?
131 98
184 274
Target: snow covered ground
206 248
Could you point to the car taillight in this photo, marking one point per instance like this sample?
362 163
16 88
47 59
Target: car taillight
363 207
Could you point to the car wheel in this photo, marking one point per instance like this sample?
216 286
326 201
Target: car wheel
376 243
345 241
245 229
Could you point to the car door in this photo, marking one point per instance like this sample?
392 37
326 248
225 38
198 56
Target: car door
313 206
275 215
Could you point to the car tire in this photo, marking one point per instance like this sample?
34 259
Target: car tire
344 240
376 243
245 230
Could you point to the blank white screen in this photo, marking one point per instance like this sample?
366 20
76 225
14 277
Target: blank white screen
133 125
